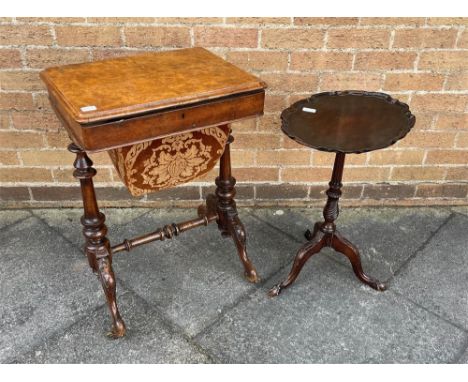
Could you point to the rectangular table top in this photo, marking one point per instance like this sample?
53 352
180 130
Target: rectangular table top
121 87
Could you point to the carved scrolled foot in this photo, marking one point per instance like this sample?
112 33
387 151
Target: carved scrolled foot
310 234
237 232
275 290
342 245
305 252
107 278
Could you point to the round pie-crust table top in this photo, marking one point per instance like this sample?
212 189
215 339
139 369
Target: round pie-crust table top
347 121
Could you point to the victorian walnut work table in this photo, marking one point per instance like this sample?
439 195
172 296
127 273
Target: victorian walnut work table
343 122
164 119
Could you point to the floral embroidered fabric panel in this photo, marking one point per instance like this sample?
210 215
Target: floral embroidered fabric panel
167 162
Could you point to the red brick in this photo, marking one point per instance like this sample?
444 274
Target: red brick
283 157
19 80
255 60
41 102
8 158
274 103
291 82
4 119
384 60
250 174
457 173
120 20
157 36
443 60
55 20
417 173
74 35
10 58
441 190
310 21
463 40
462 140
409 21
322 158
425 38
452 121
104 54
47 158
226 37
450 21
43 58
305 174
424 121
427 139
246 125
57 139
269 122
447 157
457 81
25 34
258 21
439 102
17 101
189 20
25 174
350 80
365 174
33 120
20 140
256 141
400 157
321 61
358 38
413 81
292 38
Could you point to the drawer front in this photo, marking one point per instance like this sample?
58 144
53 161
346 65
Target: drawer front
134 130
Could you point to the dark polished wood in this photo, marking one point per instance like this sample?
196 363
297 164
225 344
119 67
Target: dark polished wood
341 122
326 235
347 121
97 246
120 102
228 219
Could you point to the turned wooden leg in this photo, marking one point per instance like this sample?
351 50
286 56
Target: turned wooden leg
307 250
228 219
342 245
325 235
97 247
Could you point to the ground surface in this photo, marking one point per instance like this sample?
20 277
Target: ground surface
186 301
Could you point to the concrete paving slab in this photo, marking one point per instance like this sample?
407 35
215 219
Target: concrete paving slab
437 278
321 320
45 284
148 340
461 210
8 217
195 276
385 237
67 221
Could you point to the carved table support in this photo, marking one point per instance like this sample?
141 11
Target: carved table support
326 235
97 247
228 219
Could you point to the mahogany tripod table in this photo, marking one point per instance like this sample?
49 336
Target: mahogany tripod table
164 119
342 122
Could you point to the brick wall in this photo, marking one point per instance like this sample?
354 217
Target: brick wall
421 61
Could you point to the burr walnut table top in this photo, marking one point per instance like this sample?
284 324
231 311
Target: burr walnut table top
347 121
186 89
